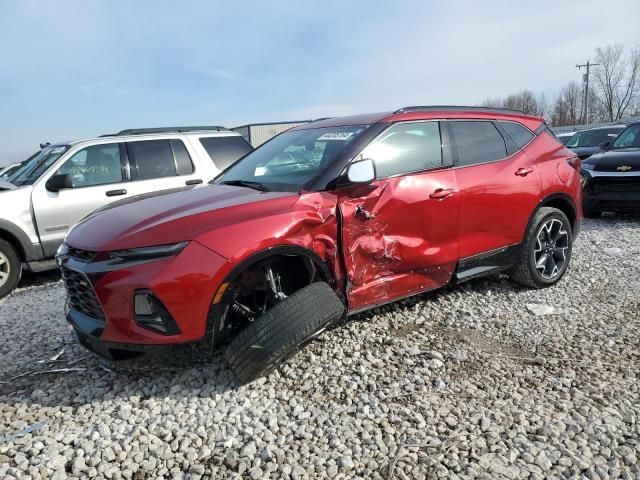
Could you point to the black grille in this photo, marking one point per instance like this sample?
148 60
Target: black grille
80 294
82 255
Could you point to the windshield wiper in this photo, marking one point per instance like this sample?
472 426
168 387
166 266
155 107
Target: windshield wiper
245 183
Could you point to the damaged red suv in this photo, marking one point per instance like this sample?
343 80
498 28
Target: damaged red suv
335 216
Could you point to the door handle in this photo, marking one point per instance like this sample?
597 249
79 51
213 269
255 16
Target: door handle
115 193
441 193
197 181
523 172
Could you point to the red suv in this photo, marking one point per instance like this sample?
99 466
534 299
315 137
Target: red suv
338 215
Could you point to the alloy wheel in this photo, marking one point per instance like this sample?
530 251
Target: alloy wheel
5 269
550 252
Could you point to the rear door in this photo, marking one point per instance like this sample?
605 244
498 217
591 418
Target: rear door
499 184
98 174
161 164
399 232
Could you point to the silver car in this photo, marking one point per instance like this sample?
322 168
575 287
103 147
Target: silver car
64 182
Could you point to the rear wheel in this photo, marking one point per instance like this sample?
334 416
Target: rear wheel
10 268
546 250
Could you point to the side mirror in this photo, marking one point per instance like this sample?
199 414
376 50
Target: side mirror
606 145
362 171
58 182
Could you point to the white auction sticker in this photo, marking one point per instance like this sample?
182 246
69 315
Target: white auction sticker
336 136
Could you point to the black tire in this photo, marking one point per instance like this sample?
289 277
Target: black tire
591 213
10 268
282 331
525 272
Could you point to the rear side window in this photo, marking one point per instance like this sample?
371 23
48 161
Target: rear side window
477 142
225 150
406 148
518 133
151 159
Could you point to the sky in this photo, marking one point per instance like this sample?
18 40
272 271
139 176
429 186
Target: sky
75 69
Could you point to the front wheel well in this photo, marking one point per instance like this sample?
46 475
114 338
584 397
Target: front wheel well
14 242
253 287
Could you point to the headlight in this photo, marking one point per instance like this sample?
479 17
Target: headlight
587 166
584 178
62 249
146 253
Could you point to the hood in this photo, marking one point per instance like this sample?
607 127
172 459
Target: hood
5 185
585 152
180 215
615 160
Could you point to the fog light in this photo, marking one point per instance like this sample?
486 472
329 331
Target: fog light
150 313
144 305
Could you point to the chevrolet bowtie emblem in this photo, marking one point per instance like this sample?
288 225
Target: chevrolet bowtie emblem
624 168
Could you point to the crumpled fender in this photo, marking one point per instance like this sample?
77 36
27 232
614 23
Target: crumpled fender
311 223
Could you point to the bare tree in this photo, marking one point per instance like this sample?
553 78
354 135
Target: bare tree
492 102
543 106
567 105
525 101
616 80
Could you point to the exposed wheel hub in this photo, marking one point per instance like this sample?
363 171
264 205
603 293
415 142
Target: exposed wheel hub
550 251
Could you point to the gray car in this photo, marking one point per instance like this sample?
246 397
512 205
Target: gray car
64 182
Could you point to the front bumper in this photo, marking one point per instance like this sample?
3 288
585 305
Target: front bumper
611 191
185 284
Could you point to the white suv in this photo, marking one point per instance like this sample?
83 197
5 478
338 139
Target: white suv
66 181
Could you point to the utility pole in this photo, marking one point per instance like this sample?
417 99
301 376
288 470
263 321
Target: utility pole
585 104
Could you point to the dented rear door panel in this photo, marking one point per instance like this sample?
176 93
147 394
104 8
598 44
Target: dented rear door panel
399 236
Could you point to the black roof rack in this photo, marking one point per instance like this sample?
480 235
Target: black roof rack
144 131
434 108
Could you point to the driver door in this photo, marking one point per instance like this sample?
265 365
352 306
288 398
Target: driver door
399 232
97 179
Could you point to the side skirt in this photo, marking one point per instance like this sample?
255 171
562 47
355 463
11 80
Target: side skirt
486 263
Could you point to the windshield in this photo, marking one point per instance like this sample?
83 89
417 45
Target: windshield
292 159
33 168
629 138
592 138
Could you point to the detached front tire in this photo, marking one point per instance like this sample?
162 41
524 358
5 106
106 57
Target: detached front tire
546 250
282 331
10 268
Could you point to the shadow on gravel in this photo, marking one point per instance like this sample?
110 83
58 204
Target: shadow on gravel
182 374
30 279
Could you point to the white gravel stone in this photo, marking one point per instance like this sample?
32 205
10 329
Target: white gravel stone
482 380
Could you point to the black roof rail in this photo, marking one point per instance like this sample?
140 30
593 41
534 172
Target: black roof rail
434 108
144 131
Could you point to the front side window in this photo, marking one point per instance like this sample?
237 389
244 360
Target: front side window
95 165
629 138
292 159
151 159
224 151
405 148
477 142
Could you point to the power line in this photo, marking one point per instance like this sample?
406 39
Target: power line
585 104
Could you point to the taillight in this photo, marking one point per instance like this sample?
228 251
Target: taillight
575 162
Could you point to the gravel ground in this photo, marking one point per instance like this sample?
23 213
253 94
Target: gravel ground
484 380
